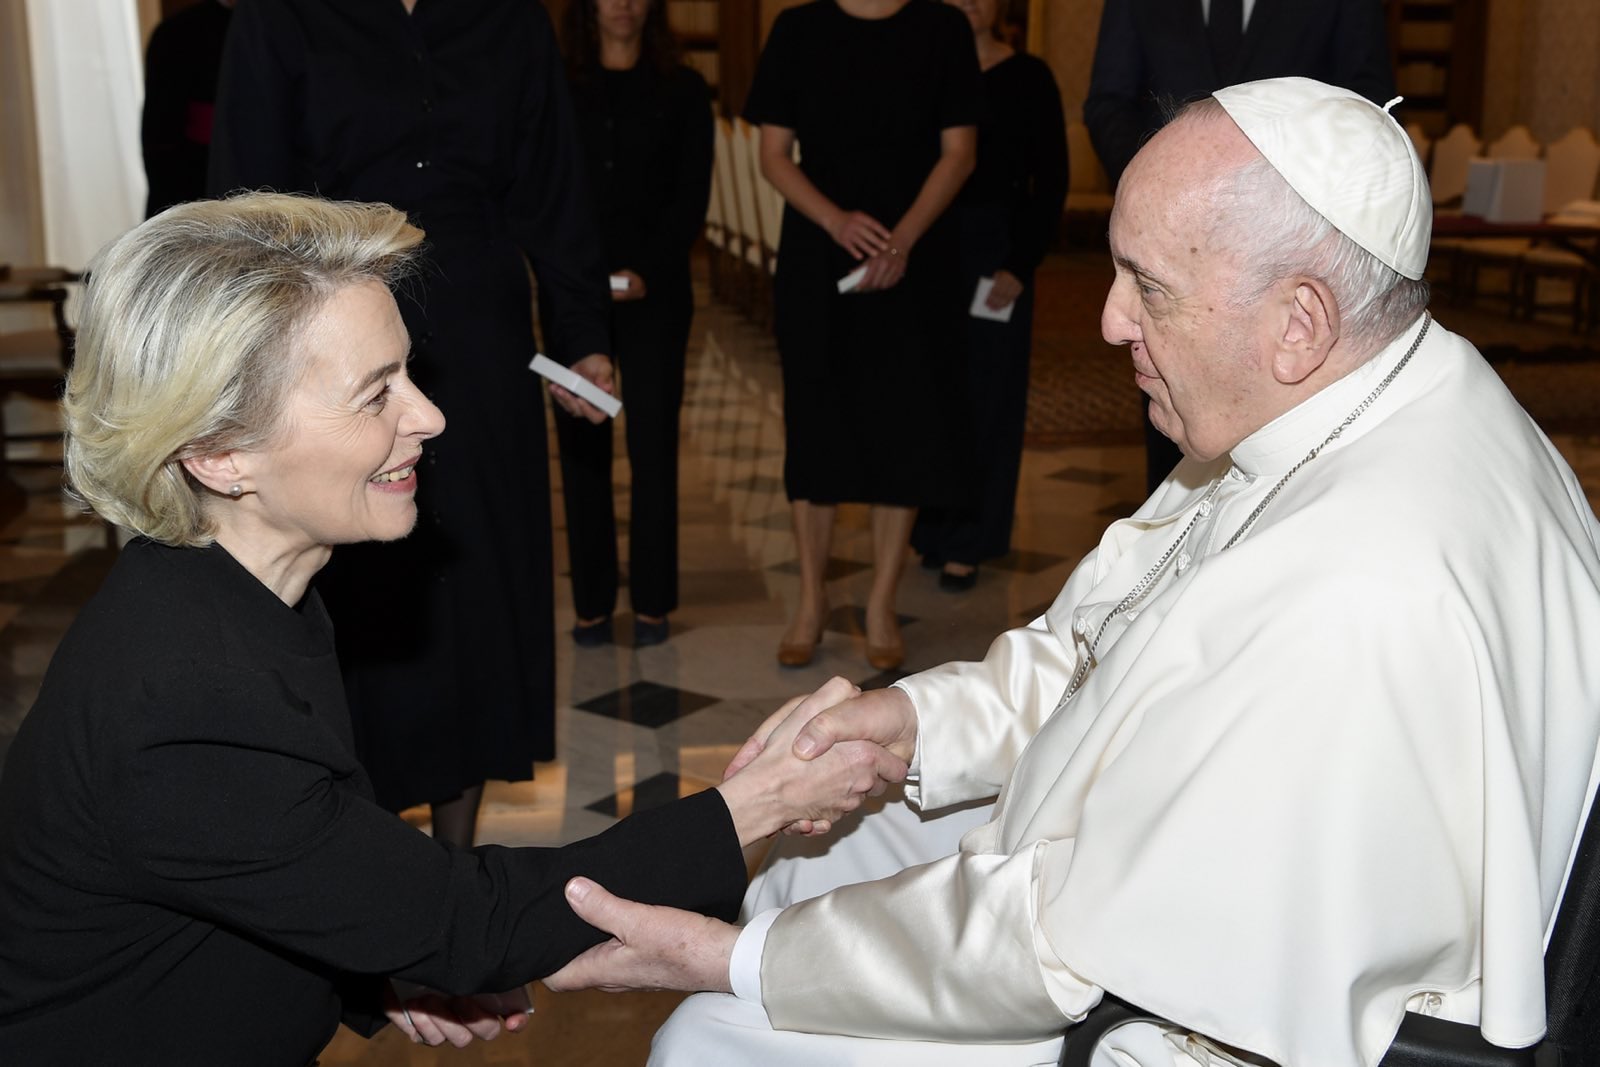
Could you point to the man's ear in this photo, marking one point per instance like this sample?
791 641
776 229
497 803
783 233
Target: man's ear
218 472
1309 334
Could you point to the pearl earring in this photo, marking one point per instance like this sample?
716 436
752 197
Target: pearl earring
236 491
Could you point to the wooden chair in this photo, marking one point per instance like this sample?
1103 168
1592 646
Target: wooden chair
1447 178
717 229
738 282
1497 253
1571 166
33 362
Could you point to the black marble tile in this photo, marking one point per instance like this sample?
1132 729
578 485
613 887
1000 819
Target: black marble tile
652 792
837 568
76 582
648 704
1024 561
882 679
1081 476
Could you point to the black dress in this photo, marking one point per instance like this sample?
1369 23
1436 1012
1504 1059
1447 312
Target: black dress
1008 211
647 141
192 868
872 381
458 114
180 94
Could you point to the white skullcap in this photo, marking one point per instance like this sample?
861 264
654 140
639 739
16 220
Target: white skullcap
1346 157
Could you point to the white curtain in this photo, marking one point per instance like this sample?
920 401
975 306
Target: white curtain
88 85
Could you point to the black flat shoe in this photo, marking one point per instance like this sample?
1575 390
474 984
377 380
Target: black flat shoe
931 562
958 583
594 635
649 633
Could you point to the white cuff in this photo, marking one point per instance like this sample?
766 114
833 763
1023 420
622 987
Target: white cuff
744 966
914 768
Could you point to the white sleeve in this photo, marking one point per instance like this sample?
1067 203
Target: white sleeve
744 968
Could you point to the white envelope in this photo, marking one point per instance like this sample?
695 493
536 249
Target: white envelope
981 310
575 383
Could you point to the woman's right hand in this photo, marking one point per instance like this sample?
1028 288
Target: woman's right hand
859 234
774 788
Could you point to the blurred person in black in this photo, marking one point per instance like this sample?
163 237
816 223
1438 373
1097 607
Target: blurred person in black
881 97
1153 55
180 94
645 123
1008 211
455 111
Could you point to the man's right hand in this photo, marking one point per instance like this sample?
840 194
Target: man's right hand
885 717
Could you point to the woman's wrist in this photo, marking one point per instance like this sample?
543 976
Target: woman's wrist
754 812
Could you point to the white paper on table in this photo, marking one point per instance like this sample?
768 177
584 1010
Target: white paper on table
575 383
853 279
981 308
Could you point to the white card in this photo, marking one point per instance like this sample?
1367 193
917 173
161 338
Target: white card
853 279
619 284
981 308
575 383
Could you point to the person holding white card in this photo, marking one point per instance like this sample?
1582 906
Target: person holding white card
644 120
881 96
1008 211
458 114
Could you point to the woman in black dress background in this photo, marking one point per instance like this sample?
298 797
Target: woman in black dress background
1008 211
457 112
882 96
645 123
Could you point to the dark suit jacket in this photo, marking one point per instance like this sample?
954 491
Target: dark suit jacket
192 868
1154 53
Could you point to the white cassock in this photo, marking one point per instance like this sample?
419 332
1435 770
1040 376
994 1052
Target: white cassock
1326 774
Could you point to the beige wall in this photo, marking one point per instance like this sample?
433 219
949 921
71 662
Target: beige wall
21 229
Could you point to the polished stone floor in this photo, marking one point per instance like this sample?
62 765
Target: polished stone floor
636 727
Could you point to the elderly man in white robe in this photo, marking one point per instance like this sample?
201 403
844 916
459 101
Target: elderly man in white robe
1304 744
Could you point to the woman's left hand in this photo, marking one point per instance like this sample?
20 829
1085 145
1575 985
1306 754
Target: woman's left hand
1007 287
435 1018
885 269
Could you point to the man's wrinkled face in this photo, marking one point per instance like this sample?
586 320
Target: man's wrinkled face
1202 361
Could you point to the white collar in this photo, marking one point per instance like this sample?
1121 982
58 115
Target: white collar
1284 441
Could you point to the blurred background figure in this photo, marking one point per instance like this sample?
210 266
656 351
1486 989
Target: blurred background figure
458 114
882 97
1009 211
180 94
645 123
1155 54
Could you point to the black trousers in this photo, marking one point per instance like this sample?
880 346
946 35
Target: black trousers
649 340
998 354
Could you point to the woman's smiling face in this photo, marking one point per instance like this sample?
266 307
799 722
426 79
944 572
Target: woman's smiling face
343 468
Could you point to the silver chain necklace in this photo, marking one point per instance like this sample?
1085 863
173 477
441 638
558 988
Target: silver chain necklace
1142 588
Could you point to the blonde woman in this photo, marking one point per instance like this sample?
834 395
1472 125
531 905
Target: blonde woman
193 867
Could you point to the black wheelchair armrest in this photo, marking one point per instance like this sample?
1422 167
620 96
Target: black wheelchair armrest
1424 1041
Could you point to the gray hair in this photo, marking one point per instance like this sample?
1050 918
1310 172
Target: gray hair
1275 234
186 342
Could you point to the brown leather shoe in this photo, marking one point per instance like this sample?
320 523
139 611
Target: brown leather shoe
801 653
887 657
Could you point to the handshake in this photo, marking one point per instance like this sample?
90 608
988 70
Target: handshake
815 758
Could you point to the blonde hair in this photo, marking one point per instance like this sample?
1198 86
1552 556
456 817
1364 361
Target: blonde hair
186 348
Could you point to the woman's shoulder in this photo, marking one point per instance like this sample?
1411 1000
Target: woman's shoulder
1027 71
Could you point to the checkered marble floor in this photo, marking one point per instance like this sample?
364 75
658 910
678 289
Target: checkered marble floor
637 727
